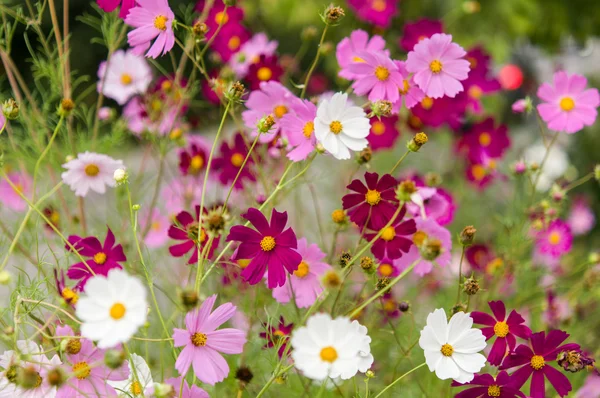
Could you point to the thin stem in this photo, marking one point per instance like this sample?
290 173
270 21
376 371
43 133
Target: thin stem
398 162
579 182
161 168
272 379
314 64
546 155
45 152
462 257
398 379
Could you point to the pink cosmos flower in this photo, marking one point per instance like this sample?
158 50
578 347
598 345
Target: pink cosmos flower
384 132
111 5
416 31
141 117
480 80
9 196
186 391
409 92
193 159
271 247
555 240
437 203
378 76
124 75
298 126
438 66
179 194
519 106
349 47
568 106
581 218
250 53
153 19
203 343
305 282
557 310
591 387
386 268
272 99
377 12
159 227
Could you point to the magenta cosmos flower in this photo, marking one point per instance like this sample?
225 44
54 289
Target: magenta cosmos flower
185 228
393 241
568 106
153 19
555 240
534 363
111 5
348 49
486 385
377 75
277 335
416 31
384 132
377 12
203 343
230 160
374 204
271 247
410 93
304 284
101 258
192 159
485 136
438 66
299 128
505 330
272 99
229 40
265 69
581 217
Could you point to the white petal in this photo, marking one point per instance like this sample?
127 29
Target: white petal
471 363
439 325
459 324
446 369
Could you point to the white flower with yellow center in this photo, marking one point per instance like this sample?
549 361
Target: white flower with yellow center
140 378
91 171
112 308
123 76
341 127
333 348
451 348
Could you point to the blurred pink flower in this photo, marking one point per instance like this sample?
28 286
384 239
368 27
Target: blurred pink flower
9 196
153 19
416 31
377 12
111 5
581 218
555 240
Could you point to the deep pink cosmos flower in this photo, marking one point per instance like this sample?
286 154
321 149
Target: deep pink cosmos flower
436 112
384 132
568 106
271 247
372 205
438 66
484 136
203 344
230 160
277 335
393 241
272 99
581 217
348 49
485 385
186 391
480 81
265 69
111 5
153 19
387 269
505 330
555 240
481 170
9 195
230 39
416 31
377 12
218 15
101 258
534 362
376 75
192 160
479 256
185 228
299 128
410 93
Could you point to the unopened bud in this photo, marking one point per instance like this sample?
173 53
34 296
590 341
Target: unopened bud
326 48
534 166
460 307
189 298
338 216
404 306
56 377
370 374
120 176
431 249
71 346
309 33
471 286
333 15
236 91
344 259
200 29
405 189
114 358
176 134
557 193
467 235
5 277
417 142
332 280
10 109
519 168
244 374
66 107
382 108
136 207
265 124
471 7
368 265
382 283
365 156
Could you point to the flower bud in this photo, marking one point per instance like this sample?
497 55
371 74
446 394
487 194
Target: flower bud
365 156
265 124
105 113
332 280
431 249
8 331
309 33
471 286
29 378
460 307
236 91
557 193
382 283
344 259
338 216
5 277
405 190
66 107
467 235
404 306
573 361
12 373
522 105
417 142
244 374
326 48
114 358
10 109
519 168
56 377
189 298
471 7
534 166
382 108
333 15
163 390
71 346
200 29
120 176
368 265
370 374
136 207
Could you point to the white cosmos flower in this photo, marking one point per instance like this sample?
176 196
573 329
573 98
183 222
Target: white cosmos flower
555 166
90 171
124 76
340 126
112 308
134 385
451 348
333 348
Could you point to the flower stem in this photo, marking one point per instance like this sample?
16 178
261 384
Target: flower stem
462 257
578 182
398 162
398 379
272 379
314 64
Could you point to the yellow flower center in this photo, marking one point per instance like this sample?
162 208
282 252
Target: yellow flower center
338 216
378 5
175 134
494 265
554 238
234 43
435 66
18 188
117 311
493 391
54 217
472 62
136 388
537 362
358 59
278 333
166 85
478 172
100 258
280 110
335 127
475 92
38 380
405 87
264 73
126 79
390 305
267 243
155 226
237 159
329 354
69 295
382 73
221 18
197 163
372 197
302 270
378 128
160 22
73 346
447 350
388 234
567 104
91 170
243 263
308 129
199 339
386 269
82 370
427 103
419 238
485 139
501 329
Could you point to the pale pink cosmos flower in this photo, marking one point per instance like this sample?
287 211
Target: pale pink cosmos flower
378 76
299 128
305 282
250 53
153 20
581 218
568 106
159 227
90 171
438 66
203 343
123 76
410 93
9 196
348 48
181 194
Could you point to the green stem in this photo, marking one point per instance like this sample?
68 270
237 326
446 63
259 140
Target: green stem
398 379
578 182
540 170
398 162
314 64
462 257
44 153
272 379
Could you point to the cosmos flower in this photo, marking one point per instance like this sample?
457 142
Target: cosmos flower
438 66
387 269
265 69
299 127
384 132
230 160
186 229
376 75
90 171
278 335
591 387
333 348
203 343
138 380
272 99
157 234
111 5
124 75
555 240
437 112
377 12
371 205
153 19
271 247
348 49
505 330
485 136
416 31
230 39
486 385
568 106
410 93
429 234
480 82
192 160
451 347
9 196
581 218
340 127
437 203
393 241
250 53
186 391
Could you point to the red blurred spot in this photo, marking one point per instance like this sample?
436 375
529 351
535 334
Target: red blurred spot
511 77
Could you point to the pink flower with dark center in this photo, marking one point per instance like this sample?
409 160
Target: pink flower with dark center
389 306
111 5
377 12
378 76
203 344
153 19
278 335
568 106
384 132
9 196
101 258
231 159
349 47
272 99
486 385
486 137
393 242
299 128
186 229
438 66
410 93
505 330
271 247
265 69
416 31
555 240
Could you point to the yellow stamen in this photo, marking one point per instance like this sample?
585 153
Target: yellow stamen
475 92
372 197
554 238
501 329
267 243
335 127
160 22
358 59
302 270
237 159
427 103
386 270
378 128
308 129
494 391
405 87
264 73
485 139
378 5
382 73
243 263
280 110
234 43
196 163
100 258
447 350
567 104
91 170
199 339
478 172
435 66
82 370
73 346
419 238
136 388
126 79
329 354
117 311
537 362
69 295
388 234
221 18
